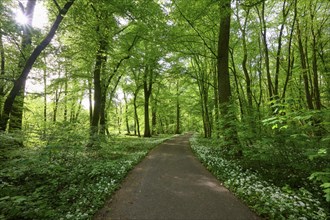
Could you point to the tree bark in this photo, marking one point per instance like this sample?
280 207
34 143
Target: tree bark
2 73
290 57
244 65
100 57
147 88
29 64
223 52
317 96
136 116
45 98
279 50
65 113
177 128
216 100
90 99
304 69
154 117
126 114
16 116
266 50
224 79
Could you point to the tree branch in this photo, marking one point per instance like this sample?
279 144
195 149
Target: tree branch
57 5
252 4
197 32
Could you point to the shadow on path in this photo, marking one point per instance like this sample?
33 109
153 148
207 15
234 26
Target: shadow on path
170 183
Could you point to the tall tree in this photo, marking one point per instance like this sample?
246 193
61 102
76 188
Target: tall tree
20 81
17 111
147 89
224 78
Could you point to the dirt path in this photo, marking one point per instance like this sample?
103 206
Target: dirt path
170 183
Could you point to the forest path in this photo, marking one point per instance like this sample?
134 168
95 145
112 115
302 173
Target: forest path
170 183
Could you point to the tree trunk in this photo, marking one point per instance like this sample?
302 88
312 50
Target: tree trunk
290 57
317 96
304 69
216 101
29 64
126 114
65 113
154 117
16 115
224 79
57 99
177 129
266 50
45 98
244 66
136 116
279 50
2 73
147 88
223 52
100 57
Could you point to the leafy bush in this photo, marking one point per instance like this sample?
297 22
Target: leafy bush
265 198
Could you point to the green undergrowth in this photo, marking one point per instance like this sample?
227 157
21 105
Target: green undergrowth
264 197
63 182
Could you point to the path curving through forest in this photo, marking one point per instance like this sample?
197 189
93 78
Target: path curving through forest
170 183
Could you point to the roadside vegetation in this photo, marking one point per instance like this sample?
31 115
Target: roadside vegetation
64 180
267 193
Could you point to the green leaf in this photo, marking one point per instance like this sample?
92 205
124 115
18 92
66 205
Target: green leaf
4 198
326 185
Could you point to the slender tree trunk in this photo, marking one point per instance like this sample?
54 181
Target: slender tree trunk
290 57
177 128
45 98
154 116
136 116
147 88
29 64
237 85
317 96
103 114
279 50
2 73
90 99
126 114
216 101
266 50
304 69
244 66
56 102
79 108
65 113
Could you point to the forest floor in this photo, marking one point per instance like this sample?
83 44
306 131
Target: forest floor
170 183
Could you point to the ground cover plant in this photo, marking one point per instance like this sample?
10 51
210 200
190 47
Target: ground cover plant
66 182
264 197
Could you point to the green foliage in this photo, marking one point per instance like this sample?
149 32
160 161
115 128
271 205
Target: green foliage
55 183
267 199
288 147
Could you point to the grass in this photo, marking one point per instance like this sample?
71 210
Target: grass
66 182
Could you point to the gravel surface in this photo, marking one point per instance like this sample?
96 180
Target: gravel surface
170 183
